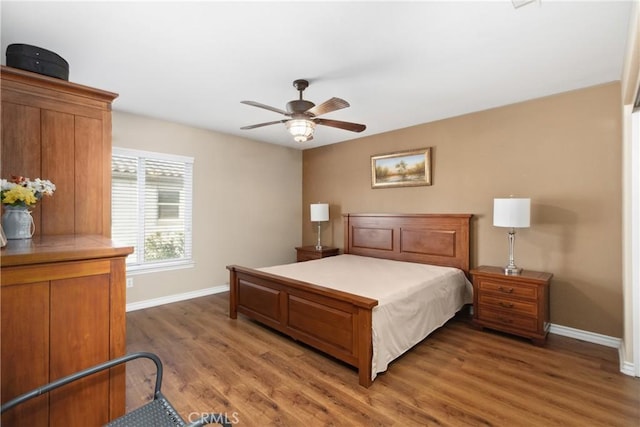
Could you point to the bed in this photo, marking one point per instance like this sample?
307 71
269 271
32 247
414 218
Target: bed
338 322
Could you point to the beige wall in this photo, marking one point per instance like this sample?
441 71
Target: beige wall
563 151
247 202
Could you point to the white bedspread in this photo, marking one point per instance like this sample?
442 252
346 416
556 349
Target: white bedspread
413 299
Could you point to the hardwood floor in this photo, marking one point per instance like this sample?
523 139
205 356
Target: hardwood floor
457 376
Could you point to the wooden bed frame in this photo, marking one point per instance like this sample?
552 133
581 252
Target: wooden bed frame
339 323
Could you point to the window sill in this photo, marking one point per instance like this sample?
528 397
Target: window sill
134 270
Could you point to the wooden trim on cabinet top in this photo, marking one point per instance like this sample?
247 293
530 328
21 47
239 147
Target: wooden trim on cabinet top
17 78
61 248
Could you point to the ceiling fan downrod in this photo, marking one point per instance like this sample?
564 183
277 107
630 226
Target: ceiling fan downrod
300 86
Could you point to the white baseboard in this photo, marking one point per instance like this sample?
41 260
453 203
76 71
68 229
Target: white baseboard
175 298
587 336
626 367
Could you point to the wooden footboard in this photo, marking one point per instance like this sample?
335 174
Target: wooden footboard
337 323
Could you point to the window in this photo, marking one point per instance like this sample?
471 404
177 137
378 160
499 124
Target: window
168 205
151 196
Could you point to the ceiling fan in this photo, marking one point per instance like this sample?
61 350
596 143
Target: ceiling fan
304 115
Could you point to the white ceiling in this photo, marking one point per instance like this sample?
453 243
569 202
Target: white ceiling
397 63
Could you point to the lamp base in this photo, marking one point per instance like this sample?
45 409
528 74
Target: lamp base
512 270
318 244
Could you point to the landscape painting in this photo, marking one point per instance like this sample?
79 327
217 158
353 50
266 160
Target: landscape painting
406 169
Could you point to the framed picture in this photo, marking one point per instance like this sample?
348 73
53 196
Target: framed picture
405 169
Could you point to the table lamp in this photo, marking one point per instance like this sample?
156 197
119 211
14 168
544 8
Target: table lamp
512 213
319 214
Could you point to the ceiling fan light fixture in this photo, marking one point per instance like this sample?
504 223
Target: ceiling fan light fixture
301 129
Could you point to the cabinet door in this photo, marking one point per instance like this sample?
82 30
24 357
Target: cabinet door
20 152
79 339
20 140
89 175
57 166
24 352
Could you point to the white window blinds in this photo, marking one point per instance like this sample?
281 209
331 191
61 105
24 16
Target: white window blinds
151 207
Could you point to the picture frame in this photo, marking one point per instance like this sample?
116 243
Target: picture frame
402 169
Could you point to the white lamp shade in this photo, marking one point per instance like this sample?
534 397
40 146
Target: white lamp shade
514 213
319 212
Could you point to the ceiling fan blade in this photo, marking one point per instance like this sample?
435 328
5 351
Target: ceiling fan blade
259 125
328 106
266 107
353 127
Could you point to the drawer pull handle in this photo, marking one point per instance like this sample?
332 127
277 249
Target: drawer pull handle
505 290
506 304
505 320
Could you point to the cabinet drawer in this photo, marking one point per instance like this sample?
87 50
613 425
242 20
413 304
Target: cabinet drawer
513 289
511 305
505 319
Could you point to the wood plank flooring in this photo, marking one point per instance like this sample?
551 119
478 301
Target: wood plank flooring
458 376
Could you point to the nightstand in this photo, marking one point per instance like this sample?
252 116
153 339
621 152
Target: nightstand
514 304
306 253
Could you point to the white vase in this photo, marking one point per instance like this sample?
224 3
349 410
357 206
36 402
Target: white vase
17 223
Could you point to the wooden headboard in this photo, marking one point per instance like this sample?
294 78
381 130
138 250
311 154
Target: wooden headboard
439 239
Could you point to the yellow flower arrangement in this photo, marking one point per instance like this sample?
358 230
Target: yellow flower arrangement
21 191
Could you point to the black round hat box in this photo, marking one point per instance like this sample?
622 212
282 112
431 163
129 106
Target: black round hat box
37 60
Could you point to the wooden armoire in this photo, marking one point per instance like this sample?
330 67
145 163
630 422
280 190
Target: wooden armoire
62 293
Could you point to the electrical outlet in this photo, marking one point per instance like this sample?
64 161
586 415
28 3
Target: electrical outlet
129 282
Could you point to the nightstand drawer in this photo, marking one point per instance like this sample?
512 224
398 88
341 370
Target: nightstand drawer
511 305
505 319
508 288
307 256
308 253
